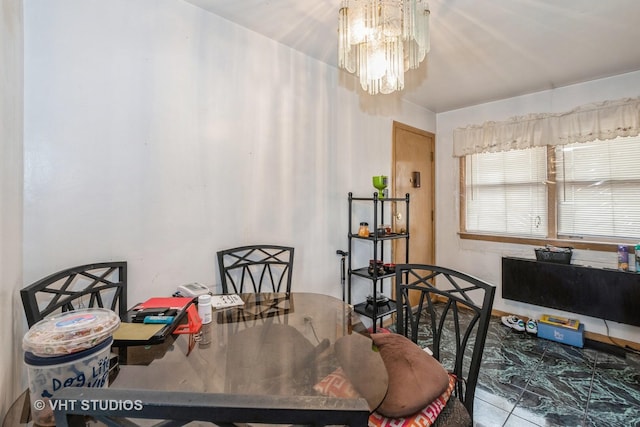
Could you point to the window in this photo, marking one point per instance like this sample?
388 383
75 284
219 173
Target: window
599 189
582 191
506 192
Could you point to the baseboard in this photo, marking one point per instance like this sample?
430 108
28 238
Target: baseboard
606 347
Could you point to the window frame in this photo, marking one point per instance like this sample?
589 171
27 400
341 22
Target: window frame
552 238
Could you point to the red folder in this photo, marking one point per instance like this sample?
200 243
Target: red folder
178 303
193 324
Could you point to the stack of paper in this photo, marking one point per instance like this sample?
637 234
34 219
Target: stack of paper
226 301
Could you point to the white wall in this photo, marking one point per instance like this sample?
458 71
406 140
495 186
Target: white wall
483 259
11 115
158 133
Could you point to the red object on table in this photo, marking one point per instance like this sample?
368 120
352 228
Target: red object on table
194 323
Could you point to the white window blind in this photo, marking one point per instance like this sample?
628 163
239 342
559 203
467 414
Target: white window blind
599 188
505 192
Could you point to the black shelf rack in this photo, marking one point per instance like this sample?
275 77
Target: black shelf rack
375 310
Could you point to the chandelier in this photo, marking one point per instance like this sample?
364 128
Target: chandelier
378 40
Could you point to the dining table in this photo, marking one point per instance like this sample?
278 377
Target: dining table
275 347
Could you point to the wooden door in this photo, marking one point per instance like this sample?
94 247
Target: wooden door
413 152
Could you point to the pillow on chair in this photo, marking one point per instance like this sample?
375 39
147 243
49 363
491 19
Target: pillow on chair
427 416
337 384
415 378
363 365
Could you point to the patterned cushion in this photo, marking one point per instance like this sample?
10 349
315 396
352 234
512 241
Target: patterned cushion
423 418
337 384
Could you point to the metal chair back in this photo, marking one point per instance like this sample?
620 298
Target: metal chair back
258 268
92 285
451 317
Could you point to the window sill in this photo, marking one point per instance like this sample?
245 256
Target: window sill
575 244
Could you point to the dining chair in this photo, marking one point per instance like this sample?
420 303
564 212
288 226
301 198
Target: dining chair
135 408
101 285
449 312
257 268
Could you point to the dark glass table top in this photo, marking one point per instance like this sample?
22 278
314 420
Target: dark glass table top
276 344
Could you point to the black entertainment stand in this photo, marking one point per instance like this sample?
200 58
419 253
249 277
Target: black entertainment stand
596 292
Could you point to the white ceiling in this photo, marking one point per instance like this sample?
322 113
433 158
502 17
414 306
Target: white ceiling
480 50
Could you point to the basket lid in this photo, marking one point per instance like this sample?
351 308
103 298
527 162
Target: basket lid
70 332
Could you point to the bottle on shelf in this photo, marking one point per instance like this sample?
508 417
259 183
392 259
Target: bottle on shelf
363 231
623 258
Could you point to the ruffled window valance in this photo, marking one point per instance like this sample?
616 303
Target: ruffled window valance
602 120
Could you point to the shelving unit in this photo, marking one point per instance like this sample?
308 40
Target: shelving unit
373 310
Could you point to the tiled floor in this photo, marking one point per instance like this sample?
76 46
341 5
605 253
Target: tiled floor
527 381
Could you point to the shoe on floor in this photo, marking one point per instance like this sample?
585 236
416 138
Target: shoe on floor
513 322
532 327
